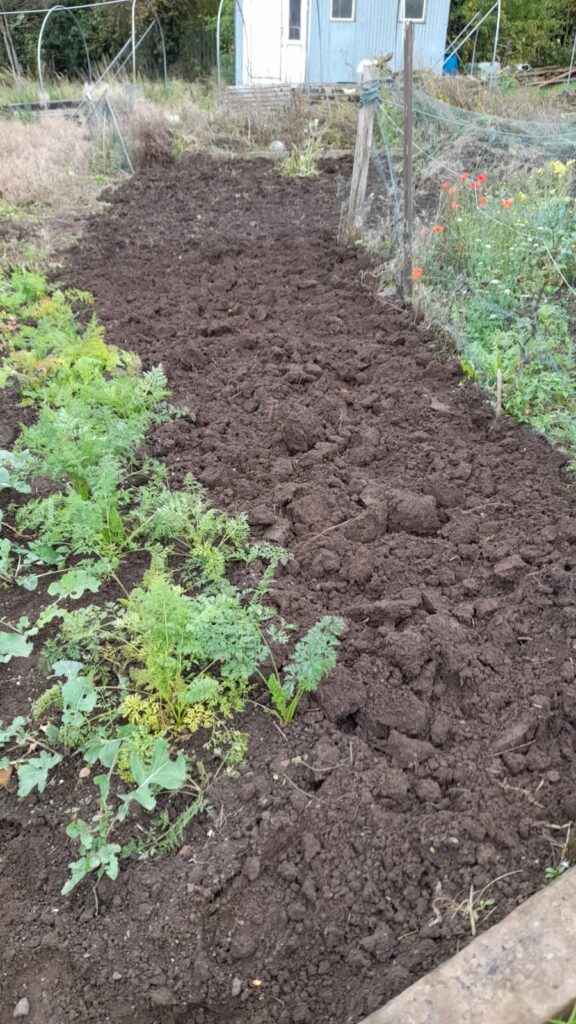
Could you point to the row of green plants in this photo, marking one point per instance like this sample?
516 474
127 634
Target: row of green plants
138 681
506 257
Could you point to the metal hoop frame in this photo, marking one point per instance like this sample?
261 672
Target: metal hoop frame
133 42
53 10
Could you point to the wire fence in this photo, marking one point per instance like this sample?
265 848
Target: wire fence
494 250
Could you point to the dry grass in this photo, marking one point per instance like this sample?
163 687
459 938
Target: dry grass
44 161
517 103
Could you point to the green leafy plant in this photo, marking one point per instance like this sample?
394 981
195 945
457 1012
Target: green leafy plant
178 653
509 255
302 161
314 656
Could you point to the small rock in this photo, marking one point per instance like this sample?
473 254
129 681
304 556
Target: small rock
22 1008
486 606
116 976
510 568
236 987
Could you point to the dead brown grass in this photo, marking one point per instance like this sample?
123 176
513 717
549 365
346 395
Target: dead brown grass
519 103
45 161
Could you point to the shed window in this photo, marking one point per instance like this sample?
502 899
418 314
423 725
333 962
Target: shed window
295 21
343 10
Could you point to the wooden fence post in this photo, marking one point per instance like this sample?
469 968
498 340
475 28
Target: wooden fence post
368 103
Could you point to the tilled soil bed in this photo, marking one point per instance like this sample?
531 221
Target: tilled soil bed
438 751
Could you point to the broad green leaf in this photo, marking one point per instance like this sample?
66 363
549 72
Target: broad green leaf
103 858
102 749
74 584
79 695
16 730
103 783
14 645
29 582
80 830
48 615
161 773
34 773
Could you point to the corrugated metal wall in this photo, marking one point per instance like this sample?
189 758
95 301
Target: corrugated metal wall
337 47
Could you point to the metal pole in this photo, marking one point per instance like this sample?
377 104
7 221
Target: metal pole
133 36
218 28
452 49
408 156
571 62
496 40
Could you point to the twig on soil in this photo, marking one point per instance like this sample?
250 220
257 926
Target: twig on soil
510 750
299 788
327 530
518 789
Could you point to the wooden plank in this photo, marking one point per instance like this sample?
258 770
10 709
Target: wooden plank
355 214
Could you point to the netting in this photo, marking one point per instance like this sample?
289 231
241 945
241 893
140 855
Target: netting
494 246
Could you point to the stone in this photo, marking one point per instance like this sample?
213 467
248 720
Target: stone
510 569
236 987
22 1008
116 976
521 971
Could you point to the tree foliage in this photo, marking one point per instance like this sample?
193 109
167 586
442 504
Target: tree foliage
536 32
189 28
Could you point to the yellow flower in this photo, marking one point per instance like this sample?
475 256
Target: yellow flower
522 197
558 168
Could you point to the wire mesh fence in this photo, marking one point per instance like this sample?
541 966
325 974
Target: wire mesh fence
494 251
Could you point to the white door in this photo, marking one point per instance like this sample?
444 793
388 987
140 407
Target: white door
294 40
262 48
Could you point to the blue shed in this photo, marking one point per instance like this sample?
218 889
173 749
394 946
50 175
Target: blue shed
324 41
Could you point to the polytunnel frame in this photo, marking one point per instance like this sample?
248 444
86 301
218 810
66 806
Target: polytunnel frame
238 5
133 42
49 13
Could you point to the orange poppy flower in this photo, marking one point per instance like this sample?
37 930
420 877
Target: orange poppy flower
482 177
417 273
437 229
464 177
452 191
507 203
475 184
454 206
481 200
445 186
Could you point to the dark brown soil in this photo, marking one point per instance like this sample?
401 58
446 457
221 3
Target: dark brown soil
444 742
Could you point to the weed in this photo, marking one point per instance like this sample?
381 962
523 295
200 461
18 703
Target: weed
302 162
